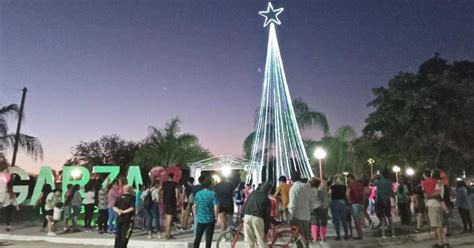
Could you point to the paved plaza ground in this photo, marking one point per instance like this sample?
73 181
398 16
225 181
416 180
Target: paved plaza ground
29 235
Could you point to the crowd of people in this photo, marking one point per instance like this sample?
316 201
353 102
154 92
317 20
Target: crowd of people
307 204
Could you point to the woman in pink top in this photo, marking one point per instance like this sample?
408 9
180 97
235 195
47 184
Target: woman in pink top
111 197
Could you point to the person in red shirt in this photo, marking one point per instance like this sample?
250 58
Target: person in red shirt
355 197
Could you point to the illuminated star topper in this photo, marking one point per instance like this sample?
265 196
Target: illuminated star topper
271 15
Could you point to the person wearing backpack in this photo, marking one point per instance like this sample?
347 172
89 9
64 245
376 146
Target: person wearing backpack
150 198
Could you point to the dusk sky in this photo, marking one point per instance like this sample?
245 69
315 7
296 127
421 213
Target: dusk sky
116 67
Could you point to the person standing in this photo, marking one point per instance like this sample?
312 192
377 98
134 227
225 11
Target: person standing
319 215
367 191
9 205
170 199
41 202
239 198
67 206
355 197
435 207
139 209
257 217
112 195
420 207
187 204
89 204
403 202
283 194
338 206
124 208
206 207
464 205
103 210
150 198
225 191
300 205
76 204
383 207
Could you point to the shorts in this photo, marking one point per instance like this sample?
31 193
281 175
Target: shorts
357 210
49 212
383 209
67 212
227 210
170 209
435 215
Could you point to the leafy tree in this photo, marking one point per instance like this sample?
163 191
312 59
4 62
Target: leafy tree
28 144
426 119
107 150
166 147
305 117
340 152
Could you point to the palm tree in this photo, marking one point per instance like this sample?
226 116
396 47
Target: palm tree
305 117
166 147
340 150
28 144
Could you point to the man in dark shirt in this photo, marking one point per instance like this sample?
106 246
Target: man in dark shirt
170 200
124 207
257 216
355 196
225 192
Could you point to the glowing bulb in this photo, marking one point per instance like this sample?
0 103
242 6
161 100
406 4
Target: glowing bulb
76 173
226 170
410 171
319 153
396 169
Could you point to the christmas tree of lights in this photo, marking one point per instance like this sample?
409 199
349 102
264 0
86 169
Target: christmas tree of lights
277 146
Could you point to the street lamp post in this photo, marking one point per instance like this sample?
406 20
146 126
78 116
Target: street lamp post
396 169
320 154
371 163
345 176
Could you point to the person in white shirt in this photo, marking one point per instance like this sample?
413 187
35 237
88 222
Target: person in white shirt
150 199
51 200
9 204
89 203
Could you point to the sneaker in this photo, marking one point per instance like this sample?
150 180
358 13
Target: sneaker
417 230
51 234
101 232
384 237
393 236
158 235
181 230
65 229
170 237
88 230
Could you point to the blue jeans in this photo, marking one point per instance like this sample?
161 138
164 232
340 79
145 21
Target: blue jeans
76 210
111 223
152 215
338 211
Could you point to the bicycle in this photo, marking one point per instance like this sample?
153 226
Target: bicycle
279 235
